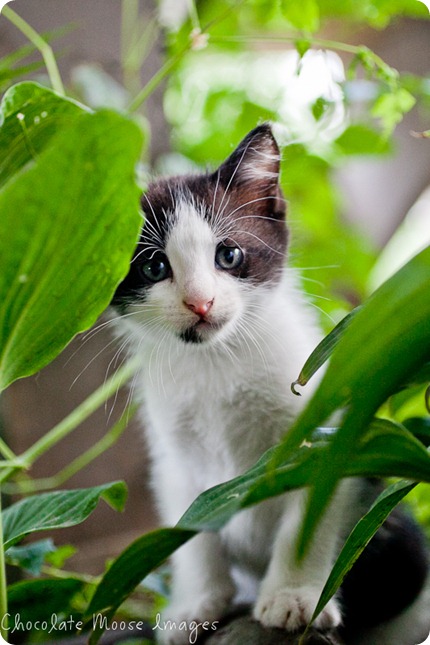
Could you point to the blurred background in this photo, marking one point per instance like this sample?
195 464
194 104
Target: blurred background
357 181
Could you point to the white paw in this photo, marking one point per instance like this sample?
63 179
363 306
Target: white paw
292 609
181 624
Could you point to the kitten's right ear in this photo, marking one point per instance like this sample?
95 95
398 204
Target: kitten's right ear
256 159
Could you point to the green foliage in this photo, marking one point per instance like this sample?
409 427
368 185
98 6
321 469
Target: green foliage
47 605
304 15
390 108
30 115
323 351
384 449
10 67
92 156
67 177
360 139
57 510
362 380
360 537
30 557
127 571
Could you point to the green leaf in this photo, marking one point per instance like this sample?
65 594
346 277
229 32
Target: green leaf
392 107
30 557
386 449
302 46
57 510
386 344
213 508
30 116
359 139
127 571
303 15
69 224
420 428
408 402
323 351
60 555
37 601
360 537
9 74
320 107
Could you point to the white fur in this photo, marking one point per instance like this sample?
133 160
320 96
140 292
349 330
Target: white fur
211 410
262 165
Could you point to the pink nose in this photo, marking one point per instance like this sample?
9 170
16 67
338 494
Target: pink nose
199 307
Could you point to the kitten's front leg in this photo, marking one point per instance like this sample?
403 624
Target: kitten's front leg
202 588
202 591
290 591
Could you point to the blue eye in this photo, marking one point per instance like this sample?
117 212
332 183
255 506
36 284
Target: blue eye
157 269
228 257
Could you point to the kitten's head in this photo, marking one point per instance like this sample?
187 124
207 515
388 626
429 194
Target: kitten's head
208 242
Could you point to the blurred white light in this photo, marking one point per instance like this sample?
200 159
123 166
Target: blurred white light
412 236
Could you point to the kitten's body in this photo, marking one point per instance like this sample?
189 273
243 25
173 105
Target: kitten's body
222 332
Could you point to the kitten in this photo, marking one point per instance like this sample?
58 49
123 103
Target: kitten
222 330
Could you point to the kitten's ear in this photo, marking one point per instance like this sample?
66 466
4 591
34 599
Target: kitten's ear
256 159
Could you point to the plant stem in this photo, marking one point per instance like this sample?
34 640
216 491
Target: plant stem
82 412
194 16
3 583
171 63
40 44
6 451
158 77
61 574
108 440
76 417
129 18
317 42
129 24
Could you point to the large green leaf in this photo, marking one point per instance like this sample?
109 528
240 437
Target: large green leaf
323 350
360 537
385 449
68 226
387 342
127 571
304 15
35 602
57 510
30 115
30 557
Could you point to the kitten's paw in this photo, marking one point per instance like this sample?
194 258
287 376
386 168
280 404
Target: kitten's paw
292 609
181 624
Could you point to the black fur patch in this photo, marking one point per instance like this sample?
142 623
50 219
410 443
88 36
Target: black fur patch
190 335
387 577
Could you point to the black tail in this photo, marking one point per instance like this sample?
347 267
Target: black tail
387 577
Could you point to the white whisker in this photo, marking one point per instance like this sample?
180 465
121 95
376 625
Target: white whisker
254 201
259 240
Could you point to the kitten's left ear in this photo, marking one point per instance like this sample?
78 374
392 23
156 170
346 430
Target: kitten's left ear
256 159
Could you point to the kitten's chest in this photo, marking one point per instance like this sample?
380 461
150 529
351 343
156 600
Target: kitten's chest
219 417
